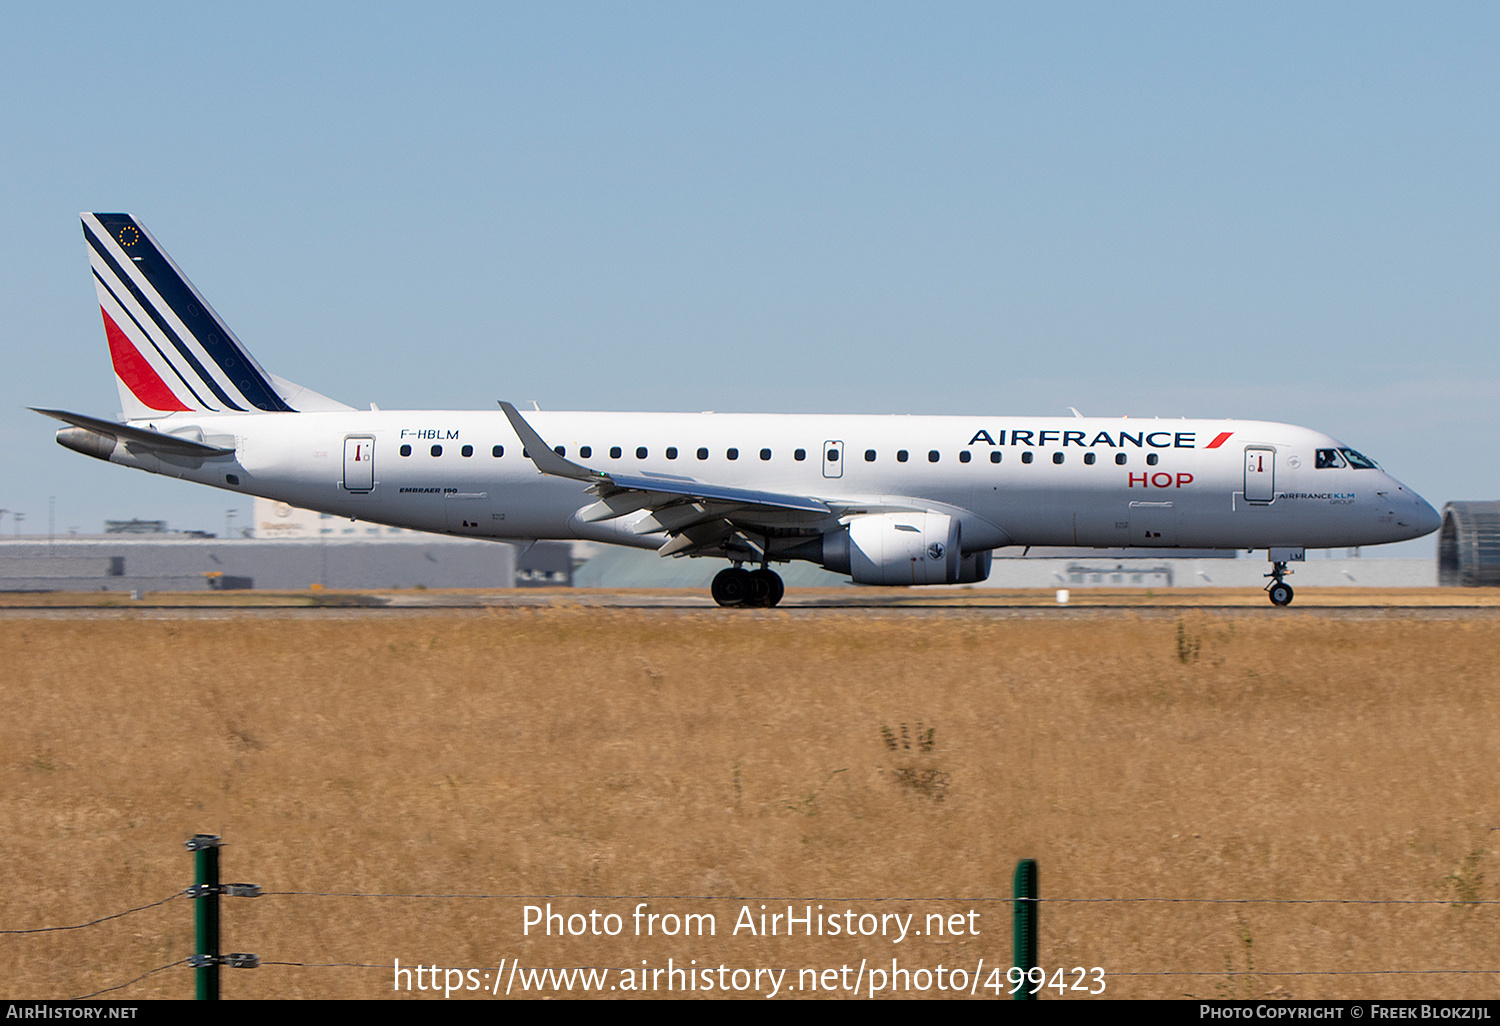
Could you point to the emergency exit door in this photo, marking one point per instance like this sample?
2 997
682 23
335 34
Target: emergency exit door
833 459
359 464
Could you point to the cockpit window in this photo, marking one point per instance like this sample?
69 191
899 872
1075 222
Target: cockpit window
1358 461
1329 458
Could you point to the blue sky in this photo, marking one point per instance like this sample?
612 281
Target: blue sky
1278 211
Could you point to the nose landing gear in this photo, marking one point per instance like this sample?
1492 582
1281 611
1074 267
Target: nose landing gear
1279 591
737 586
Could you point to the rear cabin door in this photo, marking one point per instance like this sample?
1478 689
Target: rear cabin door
1260 473
359 464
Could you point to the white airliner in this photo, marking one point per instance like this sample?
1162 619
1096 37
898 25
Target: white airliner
886 500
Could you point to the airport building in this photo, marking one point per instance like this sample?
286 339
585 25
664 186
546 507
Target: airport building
285 549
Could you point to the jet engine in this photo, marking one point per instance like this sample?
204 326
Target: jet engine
903 548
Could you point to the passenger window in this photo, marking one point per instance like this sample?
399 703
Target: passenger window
1119 459
965 456
765 454
640 452
1089 458
800 455
561 450
703 454
585 451
406 450
467 450
732 454
437 450
869 455
900 455
933 456
995 456
1057 457
498 451
1026 456
671 452
614 452
1152 459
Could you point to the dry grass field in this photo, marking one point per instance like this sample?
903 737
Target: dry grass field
827 757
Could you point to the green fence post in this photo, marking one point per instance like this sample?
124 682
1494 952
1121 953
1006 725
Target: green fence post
205 894
1025 893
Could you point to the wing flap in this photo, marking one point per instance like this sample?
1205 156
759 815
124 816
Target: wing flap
621 503
699 536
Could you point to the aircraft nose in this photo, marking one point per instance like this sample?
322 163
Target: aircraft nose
1425 518
1414 515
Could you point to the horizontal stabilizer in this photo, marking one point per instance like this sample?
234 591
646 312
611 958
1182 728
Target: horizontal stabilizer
138 437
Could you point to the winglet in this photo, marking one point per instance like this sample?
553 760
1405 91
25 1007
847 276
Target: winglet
547 461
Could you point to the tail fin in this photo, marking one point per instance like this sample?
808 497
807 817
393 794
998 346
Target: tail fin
171 352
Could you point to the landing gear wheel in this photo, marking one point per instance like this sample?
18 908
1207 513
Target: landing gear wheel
767 586
1279 591
732 587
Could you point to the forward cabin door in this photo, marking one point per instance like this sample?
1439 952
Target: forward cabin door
359 463
1260 473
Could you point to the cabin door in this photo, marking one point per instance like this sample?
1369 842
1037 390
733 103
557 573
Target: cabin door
1260 473
359 464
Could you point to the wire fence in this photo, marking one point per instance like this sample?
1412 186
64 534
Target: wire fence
989 900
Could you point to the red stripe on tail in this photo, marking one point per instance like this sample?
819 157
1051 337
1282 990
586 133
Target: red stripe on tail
132 368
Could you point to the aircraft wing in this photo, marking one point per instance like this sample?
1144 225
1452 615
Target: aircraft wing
695 514
139 438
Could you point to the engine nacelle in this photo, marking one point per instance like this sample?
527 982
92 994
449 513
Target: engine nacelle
901 548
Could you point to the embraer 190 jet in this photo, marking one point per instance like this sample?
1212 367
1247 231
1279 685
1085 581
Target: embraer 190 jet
886 500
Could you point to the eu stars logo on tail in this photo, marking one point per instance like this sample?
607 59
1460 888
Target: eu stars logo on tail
171 352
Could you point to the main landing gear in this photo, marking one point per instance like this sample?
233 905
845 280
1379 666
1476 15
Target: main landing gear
1280 591
740 587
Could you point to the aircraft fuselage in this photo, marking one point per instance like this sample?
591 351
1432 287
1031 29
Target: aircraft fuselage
1010 480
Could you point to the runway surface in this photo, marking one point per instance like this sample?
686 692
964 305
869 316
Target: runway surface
1329 603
